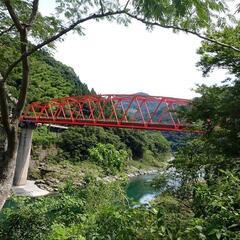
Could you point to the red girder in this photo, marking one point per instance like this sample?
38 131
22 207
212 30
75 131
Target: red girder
123 111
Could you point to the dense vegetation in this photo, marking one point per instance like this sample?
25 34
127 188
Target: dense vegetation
207 168
77 141
48 79
98 211
112 150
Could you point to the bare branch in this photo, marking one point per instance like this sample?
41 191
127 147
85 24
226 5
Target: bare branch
183 30
7 30
34 12
58 35
13 15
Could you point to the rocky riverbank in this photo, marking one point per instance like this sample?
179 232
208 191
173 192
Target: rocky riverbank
51 176
52 184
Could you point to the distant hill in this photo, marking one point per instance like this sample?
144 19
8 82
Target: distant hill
141 94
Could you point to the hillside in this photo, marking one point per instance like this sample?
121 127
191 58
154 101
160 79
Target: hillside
49 78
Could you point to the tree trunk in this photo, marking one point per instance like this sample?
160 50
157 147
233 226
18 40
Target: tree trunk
7 167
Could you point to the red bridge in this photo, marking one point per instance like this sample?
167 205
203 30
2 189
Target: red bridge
123 111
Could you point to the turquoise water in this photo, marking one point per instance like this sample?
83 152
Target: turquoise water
140 190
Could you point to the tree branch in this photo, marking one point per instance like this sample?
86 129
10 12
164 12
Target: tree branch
25 76
7 30
102 7
34 12
13 15
225 45
58 35
238 8
126 5
4 107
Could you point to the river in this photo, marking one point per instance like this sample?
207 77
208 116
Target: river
140 190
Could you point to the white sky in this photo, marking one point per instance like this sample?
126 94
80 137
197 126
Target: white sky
115 59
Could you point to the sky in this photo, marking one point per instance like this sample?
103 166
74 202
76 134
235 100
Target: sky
115 59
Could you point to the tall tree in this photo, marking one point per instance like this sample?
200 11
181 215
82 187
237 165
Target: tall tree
219 106
29 31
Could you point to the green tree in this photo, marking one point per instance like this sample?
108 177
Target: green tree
208 167
214 56
219 106
76 142
106 156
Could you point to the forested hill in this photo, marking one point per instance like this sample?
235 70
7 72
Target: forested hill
54 79
49 78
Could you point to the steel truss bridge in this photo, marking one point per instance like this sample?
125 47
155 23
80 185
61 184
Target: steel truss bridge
121 111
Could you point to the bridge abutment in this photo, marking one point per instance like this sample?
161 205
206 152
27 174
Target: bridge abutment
23 156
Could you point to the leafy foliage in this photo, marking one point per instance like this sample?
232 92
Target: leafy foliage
192 15
76 142
98 211
48 79
42 136
140 141
207 168
213 56
108 157
217 206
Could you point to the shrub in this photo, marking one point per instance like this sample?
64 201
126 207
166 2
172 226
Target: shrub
106 156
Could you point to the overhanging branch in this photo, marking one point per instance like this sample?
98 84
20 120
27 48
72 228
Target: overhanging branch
225 45
58 35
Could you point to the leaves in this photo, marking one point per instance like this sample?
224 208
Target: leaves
192 15
106 156
213 56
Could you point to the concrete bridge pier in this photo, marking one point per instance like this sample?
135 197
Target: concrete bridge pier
23 156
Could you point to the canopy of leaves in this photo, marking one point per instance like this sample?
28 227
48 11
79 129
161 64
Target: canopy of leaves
106 156
187 14
42 28
214 56
76 142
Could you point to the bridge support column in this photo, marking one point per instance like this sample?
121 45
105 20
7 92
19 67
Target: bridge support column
23 156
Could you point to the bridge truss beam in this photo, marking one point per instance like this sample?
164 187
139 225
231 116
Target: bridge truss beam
123 111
